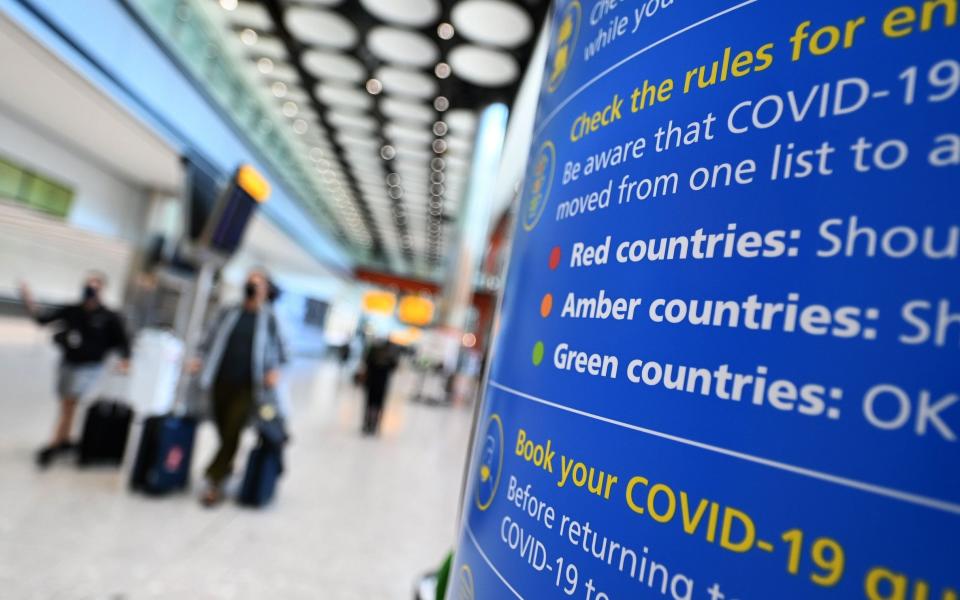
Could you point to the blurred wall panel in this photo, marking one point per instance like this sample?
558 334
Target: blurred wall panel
104 203
53 256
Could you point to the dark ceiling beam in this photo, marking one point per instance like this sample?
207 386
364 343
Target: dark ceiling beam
459 92
295 51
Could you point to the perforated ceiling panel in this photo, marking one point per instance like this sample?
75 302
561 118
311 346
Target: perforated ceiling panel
383 96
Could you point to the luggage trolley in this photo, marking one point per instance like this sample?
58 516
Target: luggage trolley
433 384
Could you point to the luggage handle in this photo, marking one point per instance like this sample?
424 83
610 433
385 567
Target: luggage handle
185 386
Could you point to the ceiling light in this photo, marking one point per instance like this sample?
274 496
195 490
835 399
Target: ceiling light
442 70
314 26
407 82
388 152
393 179
436 177
265 65
300 126
441 103
436 163
279 89
445 30
316 153
333 65
248 36
228 4
290 109
439 128
493 22
484 66
374 86
439 146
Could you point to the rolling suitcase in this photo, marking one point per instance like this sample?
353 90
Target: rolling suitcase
264 466
105 430
164 455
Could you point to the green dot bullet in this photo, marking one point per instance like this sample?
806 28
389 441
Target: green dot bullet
537 354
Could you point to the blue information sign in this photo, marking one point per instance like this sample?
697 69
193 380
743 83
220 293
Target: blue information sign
727 362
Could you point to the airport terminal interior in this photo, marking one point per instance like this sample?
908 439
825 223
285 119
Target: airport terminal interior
479 299
355 517
359 160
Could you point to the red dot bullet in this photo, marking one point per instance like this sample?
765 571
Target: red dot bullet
555 257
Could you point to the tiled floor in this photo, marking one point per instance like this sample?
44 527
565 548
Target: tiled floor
355 517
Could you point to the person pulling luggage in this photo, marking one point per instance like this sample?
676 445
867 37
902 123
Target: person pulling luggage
239 364
378 365
89 332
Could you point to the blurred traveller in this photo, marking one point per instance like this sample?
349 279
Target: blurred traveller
88 332
242 355
378 364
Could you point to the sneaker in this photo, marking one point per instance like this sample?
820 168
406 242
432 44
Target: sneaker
67 446
211 497
45 456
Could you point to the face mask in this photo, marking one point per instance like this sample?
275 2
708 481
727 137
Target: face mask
89 292
250 290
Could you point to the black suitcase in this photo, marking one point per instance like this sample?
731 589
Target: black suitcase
264 466
105 430
164 455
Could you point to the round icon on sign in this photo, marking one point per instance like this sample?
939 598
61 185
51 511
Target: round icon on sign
563 43
539 182
491 463
463 588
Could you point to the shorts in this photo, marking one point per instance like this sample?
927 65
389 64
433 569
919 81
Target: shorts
76 381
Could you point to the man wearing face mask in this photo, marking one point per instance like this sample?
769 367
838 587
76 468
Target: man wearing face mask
242 354
89 332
